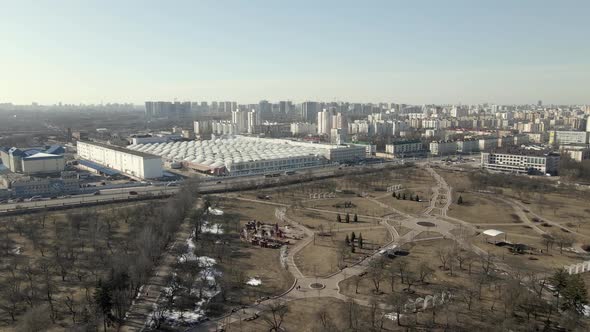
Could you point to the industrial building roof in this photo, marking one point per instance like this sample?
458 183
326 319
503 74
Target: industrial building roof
124 150
227 151
43 155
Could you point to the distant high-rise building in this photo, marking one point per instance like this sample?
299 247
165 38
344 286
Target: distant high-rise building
149 109
240 119
325 122
282 107
265 109
540 103
254 120
309 111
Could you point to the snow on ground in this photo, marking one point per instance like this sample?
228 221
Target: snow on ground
216 212
254 282
213 229
205 261
191 317
190 251
392 316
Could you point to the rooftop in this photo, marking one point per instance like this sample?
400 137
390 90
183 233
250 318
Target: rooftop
122 149
237 149
523 151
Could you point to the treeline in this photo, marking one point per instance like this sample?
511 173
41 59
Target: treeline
484 181
84 269
574 170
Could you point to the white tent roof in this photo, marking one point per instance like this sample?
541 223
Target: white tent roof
492 232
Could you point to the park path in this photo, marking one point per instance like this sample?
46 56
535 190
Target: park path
302 289
140 311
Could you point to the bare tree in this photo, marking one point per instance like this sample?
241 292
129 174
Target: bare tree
277 310
397 301
424 272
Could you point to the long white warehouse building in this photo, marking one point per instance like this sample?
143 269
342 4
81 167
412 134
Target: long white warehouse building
242 155
134 163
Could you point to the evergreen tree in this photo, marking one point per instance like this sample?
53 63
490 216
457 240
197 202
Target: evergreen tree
404 196
347 240
352 249
559 281
356 218
360 240
417 198
460 200
352 237
575 295
338 218
347 217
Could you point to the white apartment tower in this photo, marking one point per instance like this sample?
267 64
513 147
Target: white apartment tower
324 122
240 119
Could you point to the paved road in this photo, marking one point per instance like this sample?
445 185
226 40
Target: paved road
206 185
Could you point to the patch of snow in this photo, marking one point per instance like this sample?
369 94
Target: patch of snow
190 251
213 229
205 261
17 250
216 212
254 282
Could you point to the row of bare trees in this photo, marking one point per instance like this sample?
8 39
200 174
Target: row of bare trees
82 268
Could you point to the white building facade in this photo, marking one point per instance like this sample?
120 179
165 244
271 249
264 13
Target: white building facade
136 164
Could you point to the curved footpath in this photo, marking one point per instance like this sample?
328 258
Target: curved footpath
301 288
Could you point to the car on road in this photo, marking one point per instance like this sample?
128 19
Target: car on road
133 193
96 193
35 198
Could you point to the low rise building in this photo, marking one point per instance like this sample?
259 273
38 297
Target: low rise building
568 137
521 161
443 148
467 146
28 186
33 160
405 148
576 152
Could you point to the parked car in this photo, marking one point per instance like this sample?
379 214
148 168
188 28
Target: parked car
96 193
133 193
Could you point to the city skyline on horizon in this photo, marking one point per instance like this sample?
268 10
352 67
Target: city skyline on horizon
426 53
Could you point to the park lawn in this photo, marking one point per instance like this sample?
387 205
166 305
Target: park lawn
401 230
312 219
323 257
248 261
478 209
248 210
419 252
426 235
407 206
538 262
361 206
569 210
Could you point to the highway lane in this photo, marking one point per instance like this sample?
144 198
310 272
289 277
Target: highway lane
208 185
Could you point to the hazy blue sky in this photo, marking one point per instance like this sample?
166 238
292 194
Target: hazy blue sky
402 51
